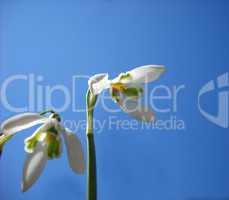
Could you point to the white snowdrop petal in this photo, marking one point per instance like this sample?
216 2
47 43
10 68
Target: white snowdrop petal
21 122
137 110
147 73
75 151
33 167
98 83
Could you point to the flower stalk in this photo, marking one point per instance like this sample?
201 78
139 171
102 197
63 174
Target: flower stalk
91 153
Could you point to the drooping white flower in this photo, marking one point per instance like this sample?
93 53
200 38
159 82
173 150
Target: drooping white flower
126 89
43 145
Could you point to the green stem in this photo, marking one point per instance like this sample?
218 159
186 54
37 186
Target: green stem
91 153
91 176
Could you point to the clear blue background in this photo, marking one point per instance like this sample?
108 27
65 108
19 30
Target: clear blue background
57 39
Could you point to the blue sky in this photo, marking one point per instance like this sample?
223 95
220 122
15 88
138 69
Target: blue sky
60 39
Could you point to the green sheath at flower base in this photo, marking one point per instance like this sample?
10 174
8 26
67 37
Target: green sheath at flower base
91 101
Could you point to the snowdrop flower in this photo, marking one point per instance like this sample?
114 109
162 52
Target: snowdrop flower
45 143
126 89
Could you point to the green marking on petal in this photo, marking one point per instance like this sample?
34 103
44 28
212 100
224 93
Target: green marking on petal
134 92
53 130
54 146
31 143
124 76
115 94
